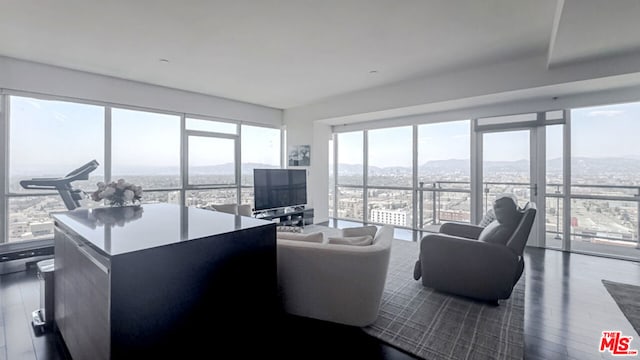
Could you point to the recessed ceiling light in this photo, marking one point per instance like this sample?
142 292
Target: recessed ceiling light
165 61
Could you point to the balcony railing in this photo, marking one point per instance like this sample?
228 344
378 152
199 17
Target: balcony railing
435 213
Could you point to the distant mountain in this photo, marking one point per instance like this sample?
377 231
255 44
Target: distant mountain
580 166
392 170
445 166
463 166
554 165
228 168
591 166
507 166
222 169
350 169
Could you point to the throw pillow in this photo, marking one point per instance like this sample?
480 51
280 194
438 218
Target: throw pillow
313 237
360 231
491 215
496 233
488 218
353 240
506 211
507 217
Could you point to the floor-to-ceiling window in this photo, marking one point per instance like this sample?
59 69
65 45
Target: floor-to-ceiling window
443 173
350 176
605 180
47 139
211 169
390 176
407 176
145 150
581 166
260 150
176 158
332 180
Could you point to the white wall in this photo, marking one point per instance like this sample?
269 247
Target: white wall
19 75
317 135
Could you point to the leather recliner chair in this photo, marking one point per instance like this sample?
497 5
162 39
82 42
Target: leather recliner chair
465 260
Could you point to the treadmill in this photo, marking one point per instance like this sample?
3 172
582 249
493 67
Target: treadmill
70 196
42 318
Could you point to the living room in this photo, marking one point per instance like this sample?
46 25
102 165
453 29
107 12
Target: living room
405 114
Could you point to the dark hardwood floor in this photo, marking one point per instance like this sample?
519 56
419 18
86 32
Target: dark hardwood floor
566 309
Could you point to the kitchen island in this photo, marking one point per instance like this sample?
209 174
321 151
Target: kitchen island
143 281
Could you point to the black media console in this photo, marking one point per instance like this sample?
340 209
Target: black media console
300 217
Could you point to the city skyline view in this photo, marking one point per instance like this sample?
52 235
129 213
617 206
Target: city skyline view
51 138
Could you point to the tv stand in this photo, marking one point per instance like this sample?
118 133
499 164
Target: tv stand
289 217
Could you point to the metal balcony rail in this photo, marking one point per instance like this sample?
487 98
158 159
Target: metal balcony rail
437 188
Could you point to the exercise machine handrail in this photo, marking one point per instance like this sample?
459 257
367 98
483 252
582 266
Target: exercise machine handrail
70 196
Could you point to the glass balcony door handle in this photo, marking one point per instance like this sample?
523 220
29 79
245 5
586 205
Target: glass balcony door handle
534 189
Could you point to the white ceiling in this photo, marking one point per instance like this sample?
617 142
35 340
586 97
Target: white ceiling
589 29
287 53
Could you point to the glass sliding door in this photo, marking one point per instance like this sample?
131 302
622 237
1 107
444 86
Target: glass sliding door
524 155
506 166
511 161
554 192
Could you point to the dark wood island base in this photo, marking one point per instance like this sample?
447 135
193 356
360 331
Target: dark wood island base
172 281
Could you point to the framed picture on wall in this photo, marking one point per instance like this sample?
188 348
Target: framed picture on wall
299 155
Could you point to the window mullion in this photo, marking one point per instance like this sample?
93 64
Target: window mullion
107 144
4 168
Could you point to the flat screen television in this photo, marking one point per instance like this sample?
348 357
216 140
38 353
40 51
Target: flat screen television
278 188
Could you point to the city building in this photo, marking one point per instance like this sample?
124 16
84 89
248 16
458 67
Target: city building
39 229
391 217
411 113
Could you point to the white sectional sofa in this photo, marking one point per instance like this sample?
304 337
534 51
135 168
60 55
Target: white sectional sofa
334 282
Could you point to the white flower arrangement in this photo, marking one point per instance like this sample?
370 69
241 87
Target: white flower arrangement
117 193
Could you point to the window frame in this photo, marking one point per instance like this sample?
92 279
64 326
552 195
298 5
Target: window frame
183 187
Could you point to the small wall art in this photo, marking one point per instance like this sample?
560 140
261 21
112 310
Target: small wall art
299 155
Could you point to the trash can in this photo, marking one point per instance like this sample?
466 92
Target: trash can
43 317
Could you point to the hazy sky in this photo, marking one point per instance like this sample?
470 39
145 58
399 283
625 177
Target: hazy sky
393 147
60 136
604 131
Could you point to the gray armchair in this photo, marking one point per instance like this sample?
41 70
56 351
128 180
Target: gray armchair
467 260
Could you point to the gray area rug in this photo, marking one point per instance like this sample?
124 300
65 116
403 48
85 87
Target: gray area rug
434 325
627 297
